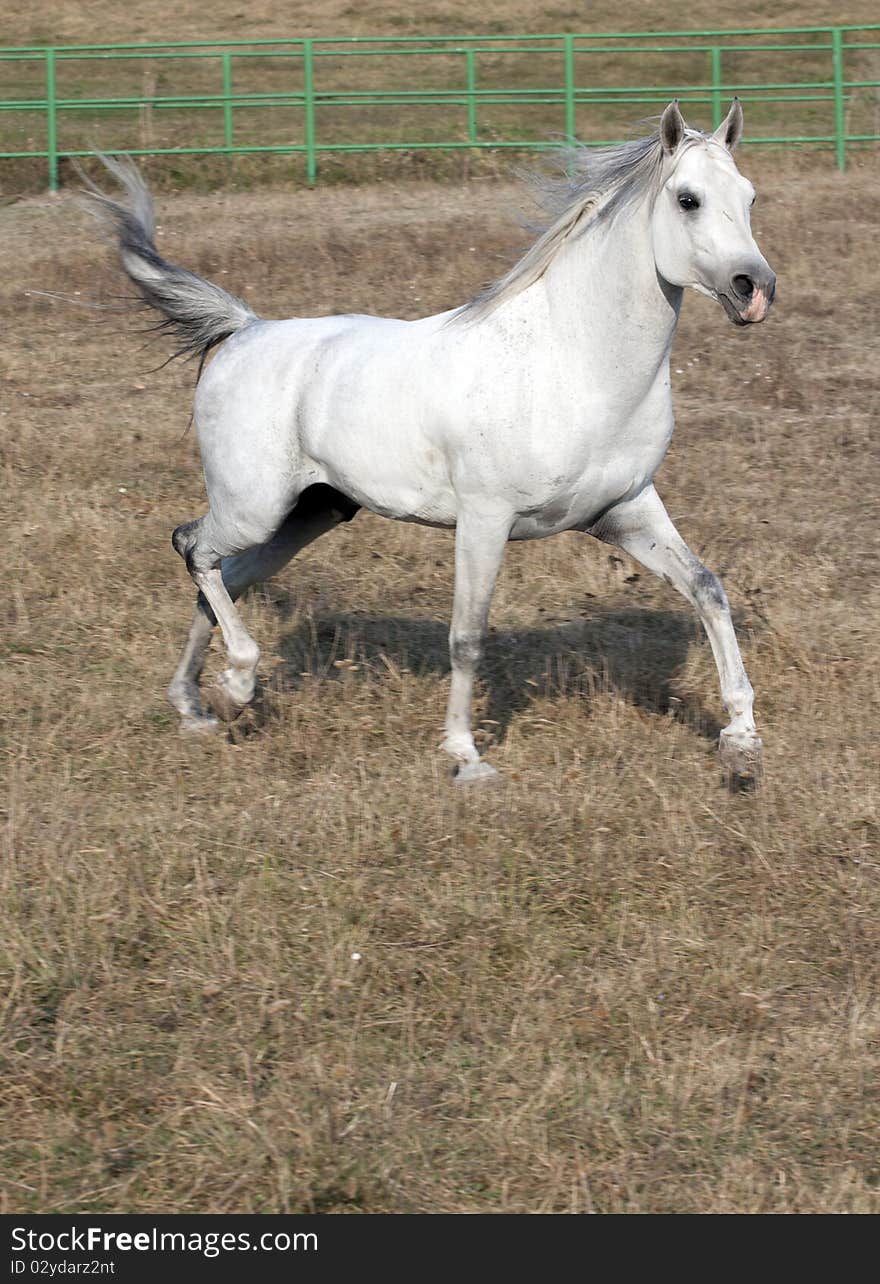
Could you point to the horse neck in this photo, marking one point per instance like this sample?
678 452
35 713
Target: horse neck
604 295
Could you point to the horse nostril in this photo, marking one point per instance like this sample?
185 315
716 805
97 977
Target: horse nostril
744 286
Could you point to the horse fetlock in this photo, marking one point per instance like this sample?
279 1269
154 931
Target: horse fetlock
741 755
231 694
202 724
740 705
184 697
460 745
240 683
245 657
476 773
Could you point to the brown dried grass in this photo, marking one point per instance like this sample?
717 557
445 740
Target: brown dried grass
609 986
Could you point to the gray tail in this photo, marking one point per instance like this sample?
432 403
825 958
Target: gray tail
197 313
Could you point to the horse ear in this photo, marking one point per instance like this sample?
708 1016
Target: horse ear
672 127
729 132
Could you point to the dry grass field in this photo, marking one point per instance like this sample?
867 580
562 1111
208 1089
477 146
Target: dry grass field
291 967
58 21
151 81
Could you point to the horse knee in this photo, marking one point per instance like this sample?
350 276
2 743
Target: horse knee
465 649
708 591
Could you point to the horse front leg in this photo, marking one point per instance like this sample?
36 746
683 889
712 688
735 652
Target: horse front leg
642 528
480 537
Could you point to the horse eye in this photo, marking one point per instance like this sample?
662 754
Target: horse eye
688 202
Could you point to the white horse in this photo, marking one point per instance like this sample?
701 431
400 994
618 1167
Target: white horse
542 406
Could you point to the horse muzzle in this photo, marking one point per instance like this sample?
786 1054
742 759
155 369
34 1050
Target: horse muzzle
748 297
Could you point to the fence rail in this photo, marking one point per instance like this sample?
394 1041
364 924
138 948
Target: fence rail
354 95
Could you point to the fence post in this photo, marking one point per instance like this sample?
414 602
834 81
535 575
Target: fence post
568 44
51 121
309 91
227 98
471 62
716 86
839 114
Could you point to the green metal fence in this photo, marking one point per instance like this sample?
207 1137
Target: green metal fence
814 86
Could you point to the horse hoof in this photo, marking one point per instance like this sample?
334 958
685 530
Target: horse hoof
198 725
741 760
224 703
476 773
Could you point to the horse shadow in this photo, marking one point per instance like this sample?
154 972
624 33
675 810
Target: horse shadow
634 652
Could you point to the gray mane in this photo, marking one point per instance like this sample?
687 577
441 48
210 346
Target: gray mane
597 184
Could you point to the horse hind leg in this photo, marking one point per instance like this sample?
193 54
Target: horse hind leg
203 551
319 510
184 693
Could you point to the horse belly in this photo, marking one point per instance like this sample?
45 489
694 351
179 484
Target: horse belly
363 418
409 483
377 455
